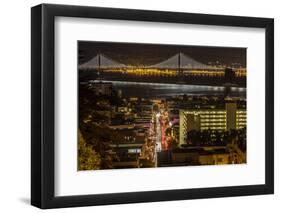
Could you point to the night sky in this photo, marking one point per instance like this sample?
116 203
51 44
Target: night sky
148 54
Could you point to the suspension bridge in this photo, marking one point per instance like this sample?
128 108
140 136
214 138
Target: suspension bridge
178 68
177 61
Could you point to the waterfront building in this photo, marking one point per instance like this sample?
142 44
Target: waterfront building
101 88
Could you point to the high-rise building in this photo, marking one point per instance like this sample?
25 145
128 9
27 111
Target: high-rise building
211 119
229 75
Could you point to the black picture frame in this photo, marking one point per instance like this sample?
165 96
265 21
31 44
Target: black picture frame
43 111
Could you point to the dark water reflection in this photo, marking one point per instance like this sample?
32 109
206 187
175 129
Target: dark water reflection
151 90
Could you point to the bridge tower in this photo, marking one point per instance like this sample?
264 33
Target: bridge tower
180 61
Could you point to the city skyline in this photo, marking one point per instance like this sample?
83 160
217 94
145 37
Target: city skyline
150 106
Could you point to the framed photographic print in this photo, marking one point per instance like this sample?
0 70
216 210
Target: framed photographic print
139 106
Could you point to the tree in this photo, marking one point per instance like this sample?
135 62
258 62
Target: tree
168 131
173 144
88 159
